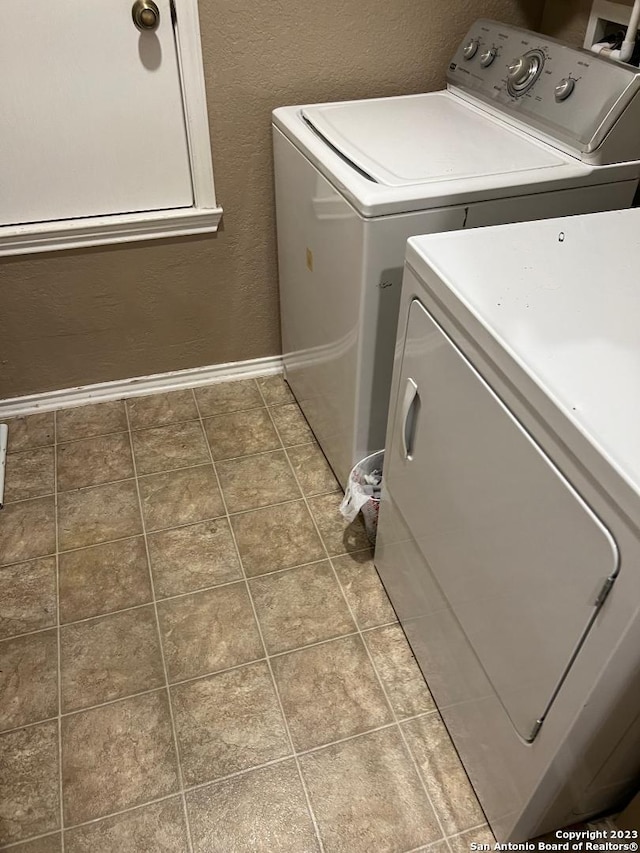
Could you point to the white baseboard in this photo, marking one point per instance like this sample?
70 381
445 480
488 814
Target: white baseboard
139 386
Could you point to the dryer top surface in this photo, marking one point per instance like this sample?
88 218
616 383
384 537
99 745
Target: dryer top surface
561 299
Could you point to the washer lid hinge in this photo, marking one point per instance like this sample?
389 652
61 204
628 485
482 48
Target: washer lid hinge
534 731
604 592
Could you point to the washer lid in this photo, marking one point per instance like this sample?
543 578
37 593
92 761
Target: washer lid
423 139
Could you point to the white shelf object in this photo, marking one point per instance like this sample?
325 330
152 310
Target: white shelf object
106 134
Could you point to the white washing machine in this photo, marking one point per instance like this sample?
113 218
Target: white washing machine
551 133
509 530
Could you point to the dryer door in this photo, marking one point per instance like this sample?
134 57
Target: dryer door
519 557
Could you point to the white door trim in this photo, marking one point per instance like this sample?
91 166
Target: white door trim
104 230
201 218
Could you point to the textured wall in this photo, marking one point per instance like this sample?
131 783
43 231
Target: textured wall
567 19
71 318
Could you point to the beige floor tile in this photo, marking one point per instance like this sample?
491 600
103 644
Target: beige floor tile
300 606
28 679
366 796
117 756
193 557
27 530
275 390
46 844
208 631
263 811
399 671
448 785
180 497
363 588
27 596
87 421
312 470
339 537
92 461
29 783
98 514
109 658
30 431
228 722
169 447
329 692
161 409
158 828
103 578
291 424
277 537
29 474
241 434
256 481
462 843
228 397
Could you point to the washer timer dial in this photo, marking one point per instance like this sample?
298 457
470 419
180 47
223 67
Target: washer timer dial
524 71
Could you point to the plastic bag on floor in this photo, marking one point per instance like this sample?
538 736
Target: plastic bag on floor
363 492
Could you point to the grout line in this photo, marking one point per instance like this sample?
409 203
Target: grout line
371 661
102 817
244 772
30 725
97 437
483 825
13 845
58 636
160 645
257 622
179 526
75 711
165 598
314 644
25 500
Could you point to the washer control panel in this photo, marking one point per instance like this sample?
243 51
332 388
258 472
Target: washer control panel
567 93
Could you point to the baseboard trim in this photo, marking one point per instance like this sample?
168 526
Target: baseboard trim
139 386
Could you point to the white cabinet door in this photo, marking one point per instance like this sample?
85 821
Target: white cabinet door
92 113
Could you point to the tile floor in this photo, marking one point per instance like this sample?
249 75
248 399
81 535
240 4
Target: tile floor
196 653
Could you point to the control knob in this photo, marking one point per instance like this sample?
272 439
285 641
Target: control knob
524 71
470 49
487 57
520 70
564 88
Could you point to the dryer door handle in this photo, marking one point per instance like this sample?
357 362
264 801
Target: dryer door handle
410 409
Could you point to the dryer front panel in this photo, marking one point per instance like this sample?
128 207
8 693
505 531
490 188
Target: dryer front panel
518 556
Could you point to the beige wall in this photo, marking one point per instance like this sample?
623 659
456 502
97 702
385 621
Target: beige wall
567 19
71 318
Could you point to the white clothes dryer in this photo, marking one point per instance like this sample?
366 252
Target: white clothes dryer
509 529
526 129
